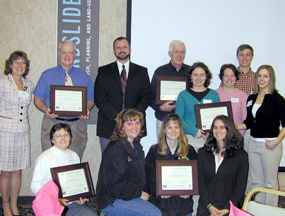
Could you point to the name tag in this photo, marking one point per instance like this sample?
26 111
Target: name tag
234 100
249 103
205 101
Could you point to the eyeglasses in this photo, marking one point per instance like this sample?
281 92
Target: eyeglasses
177 52
59 136
19 63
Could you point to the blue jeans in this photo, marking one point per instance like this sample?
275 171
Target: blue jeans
75 209
134 207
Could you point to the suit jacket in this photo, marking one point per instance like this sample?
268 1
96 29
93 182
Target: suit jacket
109 95
13 108
228 183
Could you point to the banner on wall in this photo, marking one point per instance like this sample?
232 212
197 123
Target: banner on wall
78 20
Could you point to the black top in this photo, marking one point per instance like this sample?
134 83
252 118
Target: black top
121 174
228 183
173 205
198 95
268 116
165 70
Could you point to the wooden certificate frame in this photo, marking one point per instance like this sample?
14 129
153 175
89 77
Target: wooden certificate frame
68 100
171 178
176 82
79 182
205 113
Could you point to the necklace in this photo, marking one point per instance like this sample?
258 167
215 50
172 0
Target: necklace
18 82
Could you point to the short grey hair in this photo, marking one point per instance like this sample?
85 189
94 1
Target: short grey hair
175 43
67 41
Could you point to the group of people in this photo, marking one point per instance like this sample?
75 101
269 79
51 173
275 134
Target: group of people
235 156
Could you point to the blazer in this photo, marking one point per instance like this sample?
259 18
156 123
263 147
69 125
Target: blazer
228 183
14 109
108 95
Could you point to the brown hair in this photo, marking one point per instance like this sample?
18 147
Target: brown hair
207 72
13 57
233 140
123 116
243 47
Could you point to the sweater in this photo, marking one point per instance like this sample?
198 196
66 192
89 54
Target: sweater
186 110
268 117
53 157
238 100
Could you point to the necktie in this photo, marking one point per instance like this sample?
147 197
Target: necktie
124 83
68 80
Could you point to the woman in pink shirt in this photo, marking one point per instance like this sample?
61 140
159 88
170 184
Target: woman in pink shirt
228 92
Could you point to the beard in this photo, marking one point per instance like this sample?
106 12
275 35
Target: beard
122 58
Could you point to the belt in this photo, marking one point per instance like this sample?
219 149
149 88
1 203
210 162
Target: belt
67 119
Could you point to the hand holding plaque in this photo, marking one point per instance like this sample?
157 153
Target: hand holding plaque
74 181
168 88
68 100
176 177
205 113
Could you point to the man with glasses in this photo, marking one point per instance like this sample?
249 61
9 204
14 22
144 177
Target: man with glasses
64 74
175 67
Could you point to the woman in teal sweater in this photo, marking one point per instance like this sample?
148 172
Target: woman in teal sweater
197 92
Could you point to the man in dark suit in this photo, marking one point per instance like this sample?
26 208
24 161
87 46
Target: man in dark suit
119 85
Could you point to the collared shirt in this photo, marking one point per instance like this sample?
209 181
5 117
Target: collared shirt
246 82
217 162
56 76
120 67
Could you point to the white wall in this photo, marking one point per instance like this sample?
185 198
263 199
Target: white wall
212 31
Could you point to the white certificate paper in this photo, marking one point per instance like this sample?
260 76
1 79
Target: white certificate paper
73 182
208 115
176 178
169 90
68 100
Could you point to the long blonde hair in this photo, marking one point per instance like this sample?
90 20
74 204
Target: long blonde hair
271 72
182 139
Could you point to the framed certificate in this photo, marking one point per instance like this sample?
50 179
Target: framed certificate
205 113
176 177
74 181
68 100
168 88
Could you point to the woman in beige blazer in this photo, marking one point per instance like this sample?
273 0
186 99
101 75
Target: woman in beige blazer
15 149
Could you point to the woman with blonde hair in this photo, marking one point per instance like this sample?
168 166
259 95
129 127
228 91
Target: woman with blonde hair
265 113
172 145
121 181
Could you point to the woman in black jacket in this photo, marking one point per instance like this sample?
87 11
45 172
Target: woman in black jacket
222 169
265 112
121 180
172 145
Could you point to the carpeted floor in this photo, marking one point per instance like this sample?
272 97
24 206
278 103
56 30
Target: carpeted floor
25 205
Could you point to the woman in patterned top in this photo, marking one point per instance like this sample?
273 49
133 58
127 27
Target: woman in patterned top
15 147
